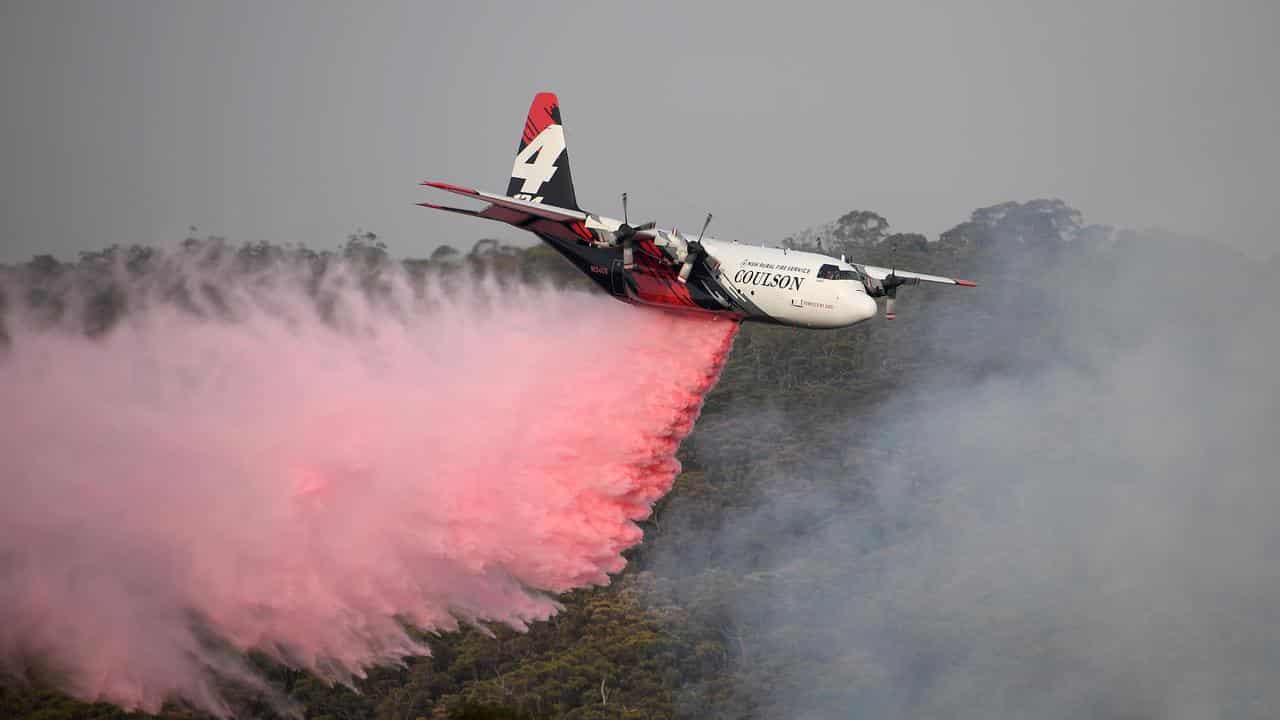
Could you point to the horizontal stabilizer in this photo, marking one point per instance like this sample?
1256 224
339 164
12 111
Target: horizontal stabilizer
446 208
548 212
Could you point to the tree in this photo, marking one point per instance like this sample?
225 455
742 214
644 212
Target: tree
446 254
1036 222
910 242
860 228
365 247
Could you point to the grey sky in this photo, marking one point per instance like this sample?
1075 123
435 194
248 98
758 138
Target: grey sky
298 122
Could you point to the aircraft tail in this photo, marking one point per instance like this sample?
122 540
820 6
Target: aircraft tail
541 170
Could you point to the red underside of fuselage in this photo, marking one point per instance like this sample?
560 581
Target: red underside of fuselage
652 282
656 281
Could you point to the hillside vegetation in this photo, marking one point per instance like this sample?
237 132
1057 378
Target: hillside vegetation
712 618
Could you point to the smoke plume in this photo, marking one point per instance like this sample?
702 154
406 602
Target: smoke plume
1069 509
297 465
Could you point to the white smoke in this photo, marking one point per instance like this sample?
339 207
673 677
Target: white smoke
1090 530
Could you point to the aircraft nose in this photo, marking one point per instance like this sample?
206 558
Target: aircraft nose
861 307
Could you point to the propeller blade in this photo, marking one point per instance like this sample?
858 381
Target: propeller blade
625 236
890 286
625 232
695 246
693 252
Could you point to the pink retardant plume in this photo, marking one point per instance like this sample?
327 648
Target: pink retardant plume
246 475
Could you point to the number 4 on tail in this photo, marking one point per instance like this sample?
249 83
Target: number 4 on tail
536 163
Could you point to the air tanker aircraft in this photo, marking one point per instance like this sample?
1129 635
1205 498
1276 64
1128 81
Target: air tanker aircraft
646 265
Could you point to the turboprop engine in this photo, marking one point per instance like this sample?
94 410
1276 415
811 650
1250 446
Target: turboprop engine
685 252
886 288
678 249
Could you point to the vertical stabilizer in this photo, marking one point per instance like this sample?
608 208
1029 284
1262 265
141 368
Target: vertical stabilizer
541 170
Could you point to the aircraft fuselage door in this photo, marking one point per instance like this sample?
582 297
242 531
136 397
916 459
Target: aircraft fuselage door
617 278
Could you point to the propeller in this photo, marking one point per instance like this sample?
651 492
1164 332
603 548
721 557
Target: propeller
693 252
625 236
891 283
888 287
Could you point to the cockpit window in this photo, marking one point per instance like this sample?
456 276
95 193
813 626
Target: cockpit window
831 272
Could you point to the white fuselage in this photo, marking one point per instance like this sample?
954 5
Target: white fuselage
786 286
780 285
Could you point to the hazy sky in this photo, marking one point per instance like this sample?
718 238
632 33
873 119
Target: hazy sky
300 121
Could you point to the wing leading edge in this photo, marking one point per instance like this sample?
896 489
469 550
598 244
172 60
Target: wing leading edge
880 273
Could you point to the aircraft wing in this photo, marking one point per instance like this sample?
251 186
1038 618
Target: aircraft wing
506 209
880 273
